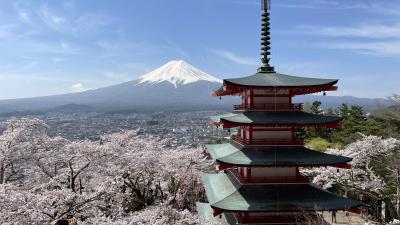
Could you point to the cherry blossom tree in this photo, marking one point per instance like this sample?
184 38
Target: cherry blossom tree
366 153
124 178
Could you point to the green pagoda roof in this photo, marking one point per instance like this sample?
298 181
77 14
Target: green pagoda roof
236 154
275 118
268 79
224 192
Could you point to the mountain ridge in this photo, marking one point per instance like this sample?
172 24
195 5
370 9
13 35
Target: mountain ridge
175 85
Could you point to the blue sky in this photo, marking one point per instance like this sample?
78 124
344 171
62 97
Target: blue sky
54 47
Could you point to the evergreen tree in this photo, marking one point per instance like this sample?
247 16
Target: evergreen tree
353 123
316 108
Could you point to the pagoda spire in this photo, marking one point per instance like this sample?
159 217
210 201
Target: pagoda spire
266 38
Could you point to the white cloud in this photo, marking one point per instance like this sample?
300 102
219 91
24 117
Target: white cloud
247 2
90 21
234 57
373 39
373 31
380 7
320 4
51 19
8 30
384 48
175 47
106 45
117 77
78 87
58 60
64 45
24 16
49 47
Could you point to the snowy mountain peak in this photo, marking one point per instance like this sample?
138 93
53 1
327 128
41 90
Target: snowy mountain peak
177 73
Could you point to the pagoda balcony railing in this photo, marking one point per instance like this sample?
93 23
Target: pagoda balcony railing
287 141
270 106
299 179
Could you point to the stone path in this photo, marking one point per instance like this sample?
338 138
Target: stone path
342 219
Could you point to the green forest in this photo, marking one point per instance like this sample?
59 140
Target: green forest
384 122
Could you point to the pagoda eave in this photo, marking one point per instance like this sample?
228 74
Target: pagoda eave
228 124
218 216
226 165
232 154
225 193
276 119
219 211
229 88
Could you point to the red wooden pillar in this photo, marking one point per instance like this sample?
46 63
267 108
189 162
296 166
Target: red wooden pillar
246 218
293 130
251 99
249 173
244 99
246 174
250 135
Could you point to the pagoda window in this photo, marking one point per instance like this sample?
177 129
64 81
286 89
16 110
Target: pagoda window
254 215
274 135
266 99
258 172
272 100
267 136
271 92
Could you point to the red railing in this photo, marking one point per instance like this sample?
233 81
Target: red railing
270 106
271 180
242 141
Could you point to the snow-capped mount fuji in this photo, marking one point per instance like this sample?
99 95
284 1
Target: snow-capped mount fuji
177 72
176 85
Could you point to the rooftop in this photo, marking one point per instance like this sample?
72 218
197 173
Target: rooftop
236 154
279 80
276 80
224 192
275 118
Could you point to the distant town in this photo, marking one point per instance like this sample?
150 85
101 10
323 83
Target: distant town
183 128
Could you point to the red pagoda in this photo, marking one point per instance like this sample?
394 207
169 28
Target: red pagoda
259 179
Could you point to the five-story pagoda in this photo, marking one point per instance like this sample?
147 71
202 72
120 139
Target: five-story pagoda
259 180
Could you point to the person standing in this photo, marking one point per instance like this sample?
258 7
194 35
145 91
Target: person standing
333 216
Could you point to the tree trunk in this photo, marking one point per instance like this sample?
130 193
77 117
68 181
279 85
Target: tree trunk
398 200
2 172
398 192
383 211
